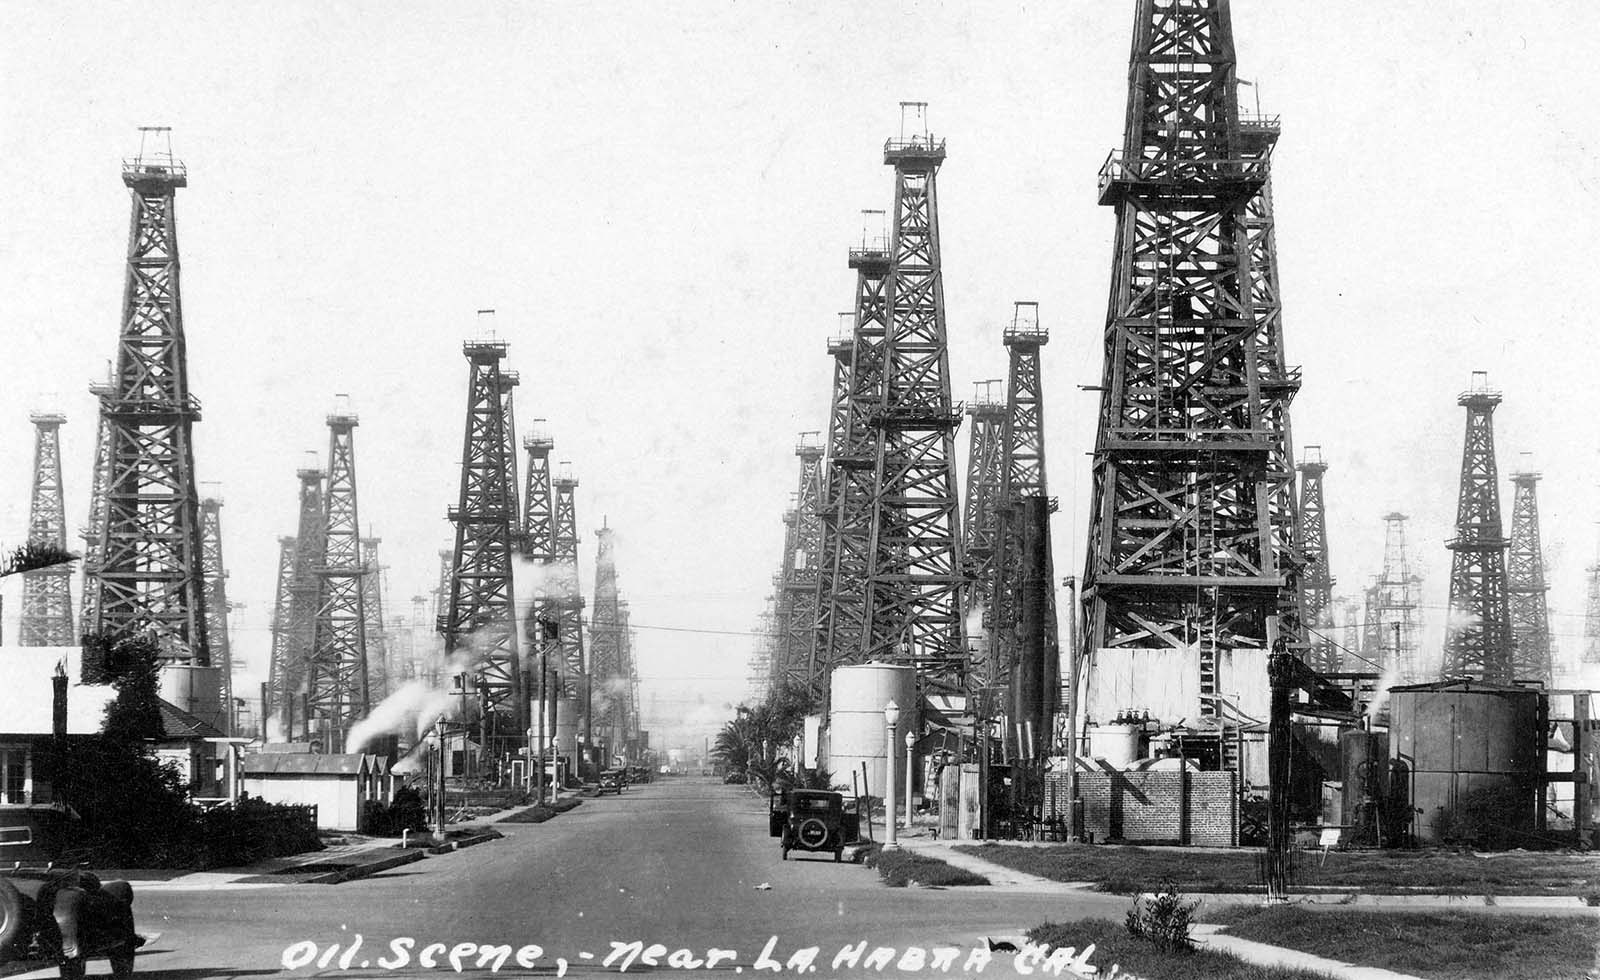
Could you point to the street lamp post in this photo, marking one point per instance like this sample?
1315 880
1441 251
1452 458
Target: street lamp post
911 743
891 717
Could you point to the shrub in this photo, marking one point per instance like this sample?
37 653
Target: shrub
1164 918
394 819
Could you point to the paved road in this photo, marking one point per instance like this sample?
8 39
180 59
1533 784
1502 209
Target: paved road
674 862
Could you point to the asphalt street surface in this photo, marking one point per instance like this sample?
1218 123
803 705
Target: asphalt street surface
677 862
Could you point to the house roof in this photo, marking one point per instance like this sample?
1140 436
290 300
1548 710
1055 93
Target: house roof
178 725
311 764
27 697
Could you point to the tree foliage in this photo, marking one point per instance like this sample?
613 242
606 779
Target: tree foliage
760 740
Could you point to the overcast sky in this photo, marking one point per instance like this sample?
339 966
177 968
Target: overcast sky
657 199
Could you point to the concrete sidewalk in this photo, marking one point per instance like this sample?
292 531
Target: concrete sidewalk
1261 954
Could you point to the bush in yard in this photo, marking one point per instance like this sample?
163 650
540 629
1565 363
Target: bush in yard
1163 918
394 819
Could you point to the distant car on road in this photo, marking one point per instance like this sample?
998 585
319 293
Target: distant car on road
612 780
68 917
638 774
811 820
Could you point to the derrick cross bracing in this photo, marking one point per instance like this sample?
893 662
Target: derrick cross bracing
850 488
337 679
1530 615
1591 617
281 667
606 668
566 585
1031 668
381 669
480 618
93 532
215 575
148 574
915 574
47 592
1316 584
1478 639
980 545
1189 531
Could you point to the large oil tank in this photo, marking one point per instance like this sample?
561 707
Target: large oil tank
1117 743
1364 774
566 727
857 731
197 690
1467 752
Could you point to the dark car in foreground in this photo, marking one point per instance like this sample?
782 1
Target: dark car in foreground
612 781
811 820
66 917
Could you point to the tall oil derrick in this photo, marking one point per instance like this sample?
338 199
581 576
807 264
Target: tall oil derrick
215 576
1316 581
481 615
605 644
93 531
539 512
780 665
281 668
915 574
1394 601
841 347
47 592
1526 588
149 573
381 669
630 679
1478 641
424 666
338 683
441 592
1183 541
981 530
1591 617
797 579
1026 604
537 542
851 482
574 669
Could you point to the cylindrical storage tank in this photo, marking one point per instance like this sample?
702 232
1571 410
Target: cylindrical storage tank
1118 744
857 731
1468 757
197 690
1364 773
566 727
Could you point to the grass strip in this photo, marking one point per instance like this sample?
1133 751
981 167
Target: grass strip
1139 957
1126 869
1442 945
899 868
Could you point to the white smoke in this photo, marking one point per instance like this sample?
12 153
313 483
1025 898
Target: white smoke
1380 696
977 637
411 709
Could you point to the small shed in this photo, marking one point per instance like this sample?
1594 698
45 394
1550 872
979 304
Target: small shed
339 786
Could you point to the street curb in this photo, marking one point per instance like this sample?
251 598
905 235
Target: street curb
363 870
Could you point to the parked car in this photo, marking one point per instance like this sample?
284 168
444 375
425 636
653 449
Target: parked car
612 781
811 820
67 917
638 774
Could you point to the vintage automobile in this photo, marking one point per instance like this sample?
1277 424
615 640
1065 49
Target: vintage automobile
810 820
612 781
67 917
